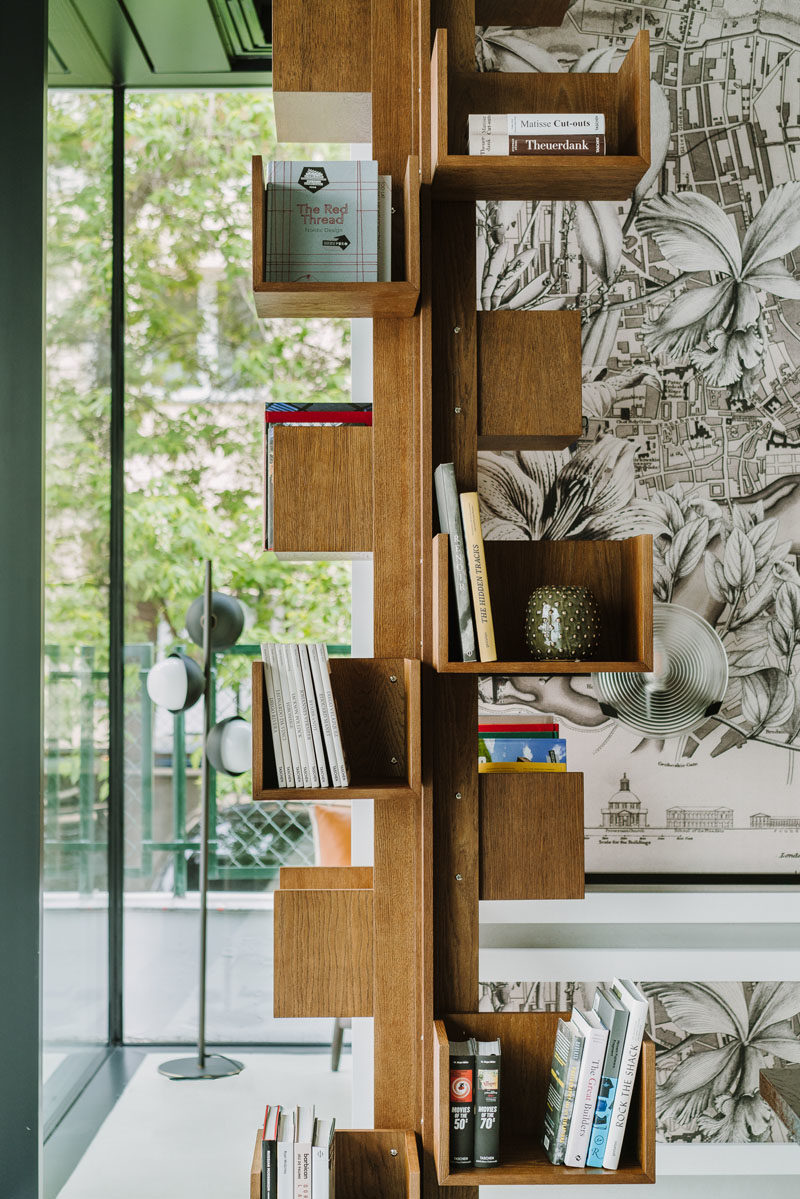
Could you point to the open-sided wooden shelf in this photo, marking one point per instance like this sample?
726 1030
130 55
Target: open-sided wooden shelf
620 573
531 835
622 96
397 298
372 1163
527 1040
529 380
321 491
378 701
323 942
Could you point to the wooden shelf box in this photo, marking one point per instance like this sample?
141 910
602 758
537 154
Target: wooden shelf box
623 97
378 701
527 1040
373 1163
529 380
531 836
397 298
321 491
323 942
620 573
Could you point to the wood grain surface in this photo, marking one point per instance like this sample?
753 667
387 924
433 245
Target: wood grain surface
255 1169
322 488
369 1163
304 61
326 878
529 380
323 953
531 828
527 1040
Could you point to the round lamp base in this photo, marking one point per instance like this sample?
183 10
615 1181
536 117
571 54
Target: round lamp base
215 1066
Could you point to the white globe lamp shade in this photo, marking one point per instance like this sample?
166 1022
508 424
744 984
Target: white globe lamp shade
176 683
230 745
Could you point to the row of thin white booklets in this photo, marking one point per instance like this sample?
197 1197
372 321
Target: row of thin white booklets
296 1154
327 222
306 739
592 1076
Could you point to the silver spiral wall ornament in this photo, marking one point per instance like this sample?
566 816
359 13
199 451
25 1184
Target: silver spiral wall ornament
686 685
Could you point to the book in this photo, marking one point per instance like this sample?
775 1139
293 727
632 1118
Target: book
488 724
269 487
285 1155
521 749
303 1143
282 673
595 1037
269 1153
487 1103
614 1016
321 222
510 734
509 123
274 720
313 413
444 478
564 1068
322 1160
462 1102
342 767
631 998
316 666
313 716
479 585
384 228
534 143
305 743
520 767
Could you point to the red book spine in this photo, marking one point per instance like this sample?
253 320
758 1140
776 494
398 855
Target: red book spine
318 418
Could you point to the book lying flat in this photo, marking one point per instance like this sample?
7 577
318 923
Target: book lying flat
521 749
520 123
533 144
520 767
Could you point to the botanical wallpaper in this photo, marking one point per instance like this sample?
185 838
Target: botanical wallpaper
711 1038
690 299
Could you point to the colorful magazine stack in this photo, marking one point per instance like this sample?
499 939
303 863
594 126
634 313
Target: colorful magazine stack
591 1078
297 1159
515 746
311 413
459 517
474 1103
304 725
529 134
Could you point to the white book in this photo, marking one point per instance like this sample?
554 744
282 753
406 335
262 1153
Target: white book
338 747
385 228
304 743
286 1156
272 709
303 1141
317 667
322 1164
535 122
282 672
595 1035
630 997
313 716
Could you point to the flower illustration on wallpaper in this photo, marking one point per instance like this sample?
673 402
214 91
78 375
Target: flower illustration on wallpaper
555 494
720 324
718 1036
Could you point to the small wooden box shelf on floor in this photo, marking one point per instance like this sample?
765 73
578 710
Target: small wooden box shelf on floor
321 491
623 97
378 701
397 298
620 573
527 1040
373 1163
529 380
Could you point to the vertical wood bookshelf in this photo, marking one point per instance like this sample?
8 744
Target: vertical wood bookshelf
399 941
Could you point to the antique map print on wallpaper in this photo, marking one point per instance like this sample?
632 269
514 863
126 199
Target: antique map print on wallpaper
690 296
711 1039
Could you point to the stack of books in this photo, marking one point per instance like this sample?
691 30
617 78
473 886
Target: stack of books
516 133
327 222
311 413
506 746
474 1103
297 1154
592 1076
306 741
459 517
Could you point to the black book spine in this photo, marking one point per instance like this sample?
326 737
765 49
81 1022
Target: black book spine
487 1109
269 1170
462 1116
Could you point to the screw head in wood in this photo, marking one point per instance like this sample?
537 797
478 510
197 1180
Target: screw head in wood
458 795
394 761
457 329
393 1152
458 878
392 678
456 410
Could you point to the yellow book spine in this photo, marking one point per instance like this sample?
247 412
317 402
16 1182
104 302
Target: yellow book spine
520 767
476 562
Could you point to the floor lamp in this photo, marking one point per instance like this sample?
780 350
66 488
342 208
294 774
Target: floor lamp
176 684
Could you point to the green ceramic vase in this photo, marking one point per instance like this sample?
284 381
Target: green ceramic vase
562 623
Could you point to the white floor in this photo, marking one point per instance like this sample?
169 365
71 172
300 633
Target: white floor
175 1140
